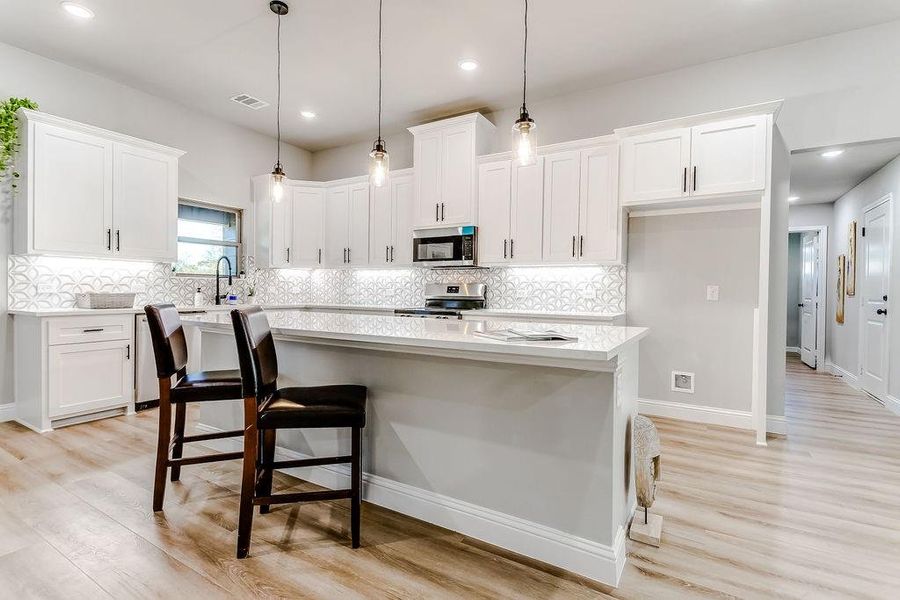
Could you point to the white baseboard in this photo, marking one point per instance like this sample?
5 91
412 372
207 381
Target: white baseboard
7 412
776 424
699 414
581 556
892 404
792 350
848 377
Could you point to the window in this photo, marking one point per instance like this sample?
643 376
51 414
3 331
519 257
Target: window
206 233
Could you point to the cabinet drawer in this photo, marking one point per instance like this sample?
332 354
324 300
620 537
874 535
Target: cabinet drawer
100 328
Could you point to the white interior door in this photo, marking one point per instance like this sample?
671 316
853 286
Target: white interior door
876 253
809 296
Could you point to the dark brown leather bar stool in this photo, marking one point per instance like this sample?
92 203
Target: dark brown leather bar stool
268 409
171 353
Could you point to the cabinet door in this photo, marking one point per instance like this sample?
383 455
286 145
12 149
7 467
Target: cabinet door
89 377
404 199
282 231
526 230
381 224
306 230
336 225
427 157
494 195
145 204
729 156
457 172
72 193
599 213
358 245
561 191
655 166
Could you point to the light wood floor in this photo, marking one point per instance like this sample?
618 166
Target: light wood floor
814 515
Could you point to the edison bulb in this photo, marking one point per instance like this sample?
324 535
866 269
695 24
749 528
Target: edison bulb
379 165
524 141
277 187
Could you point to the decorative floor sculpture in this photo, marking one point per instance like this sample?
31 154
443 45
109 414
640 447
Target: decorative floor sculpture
645 527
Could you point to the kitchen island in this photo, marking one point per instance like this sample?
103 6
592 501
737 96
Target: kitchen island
522 445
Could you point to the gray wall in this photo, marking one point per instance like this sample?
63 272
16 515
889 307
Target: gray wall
844 339
850 100
671 260
217 167
778 266
795 268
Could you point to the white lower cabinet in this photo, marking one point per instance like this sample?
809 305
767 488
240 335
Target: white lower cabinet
72 368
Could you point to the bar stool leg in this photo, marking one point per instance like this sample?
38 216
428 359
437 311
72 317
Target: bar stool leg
268 456
180 410
162 447
248 479
355 486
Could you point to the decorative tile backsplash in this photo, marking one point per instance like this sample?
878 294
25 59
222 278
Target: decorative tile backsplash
52 282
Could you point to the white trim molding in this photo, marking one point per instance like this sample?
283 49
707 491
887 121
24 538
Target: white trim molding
7 412
776 424
792 350
725 417
892 404
573 553
848 377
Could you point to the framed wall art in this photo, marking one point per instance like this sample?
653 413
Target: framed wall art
851 260
841 281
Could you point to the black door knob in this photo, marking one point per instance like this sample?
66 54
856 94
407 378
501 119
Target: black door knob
881 311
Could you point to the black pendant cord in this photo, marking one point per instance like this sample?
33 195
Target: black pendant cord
380 10
278 96
525 61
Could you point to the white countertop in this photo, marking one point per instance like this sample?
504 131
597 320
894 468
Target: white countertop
596 343
502 313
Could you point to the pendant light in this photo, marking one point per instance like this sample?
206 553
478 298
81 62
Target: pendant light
524 138
379 160
280 9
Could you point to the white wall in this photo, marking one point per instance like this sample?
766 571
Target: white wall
671 260
812 215
844 339
851 100
795 268
217 167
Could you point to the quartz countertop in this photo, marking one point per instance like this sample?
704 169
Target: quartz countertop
596 342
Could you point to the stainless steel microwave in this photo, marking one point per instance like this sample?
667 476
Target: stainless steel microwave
445 247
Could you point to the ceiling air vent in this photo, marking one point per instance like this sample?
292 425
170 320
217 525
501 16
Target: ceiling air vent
249 101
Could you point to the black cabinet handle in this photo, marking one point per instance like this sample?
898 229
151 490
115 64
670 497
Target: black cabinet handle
117 240
581 246
504 248
92 330
392 254
109 239
884 297
348 256
573 246
289 255
881 311
386 250
800 305
695 178
511 248
436 213
320 256
128 352
442 211
684 181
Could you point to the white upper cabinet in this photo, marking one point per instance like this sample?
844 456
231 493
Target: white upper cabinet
729 156
562 180
526 231
444 158
655 166
599 214
358 222
145 218
306 226
335 225
92 192
720 158
510 212
391 217
495 198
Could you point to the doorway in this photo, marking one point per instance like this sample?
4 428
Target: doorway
874 348
808 249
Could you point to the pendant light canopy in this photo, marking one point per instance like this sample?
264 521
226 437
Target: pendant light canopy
379 160
280 9
524 137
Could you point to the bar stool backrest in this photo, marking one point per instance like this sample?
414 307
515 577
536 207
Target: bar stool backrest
256 351
169 344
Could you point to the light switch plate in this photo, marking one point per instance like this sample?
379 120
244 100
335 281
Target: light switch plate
712 293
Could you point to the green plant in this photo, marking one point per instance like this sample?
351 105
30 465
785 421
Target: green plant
9 133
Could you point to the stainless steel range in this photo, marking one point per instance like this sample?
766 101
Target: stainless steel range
447 301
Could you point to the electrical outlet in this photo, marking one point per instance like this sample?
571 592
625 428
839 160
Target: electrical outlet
683 381
712 293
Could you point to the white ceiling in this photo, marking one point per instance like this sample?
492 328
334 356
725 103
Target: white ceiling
202 52
816 179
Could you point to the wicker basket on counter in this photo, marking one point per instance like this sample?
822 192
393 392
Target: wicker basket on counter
104 300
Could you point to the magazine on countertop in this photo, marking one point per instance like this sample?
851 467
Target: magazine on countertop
526 335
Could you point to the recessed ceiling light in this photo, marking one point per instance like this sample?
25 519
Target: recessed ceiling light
793 198
467 64
308 114
77 10
832 153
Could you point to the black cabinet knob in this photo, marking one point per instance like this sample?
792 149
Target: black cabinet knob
881 311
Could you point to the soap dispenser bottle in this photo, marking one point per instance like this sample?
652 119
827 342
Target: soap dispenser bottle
198 298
